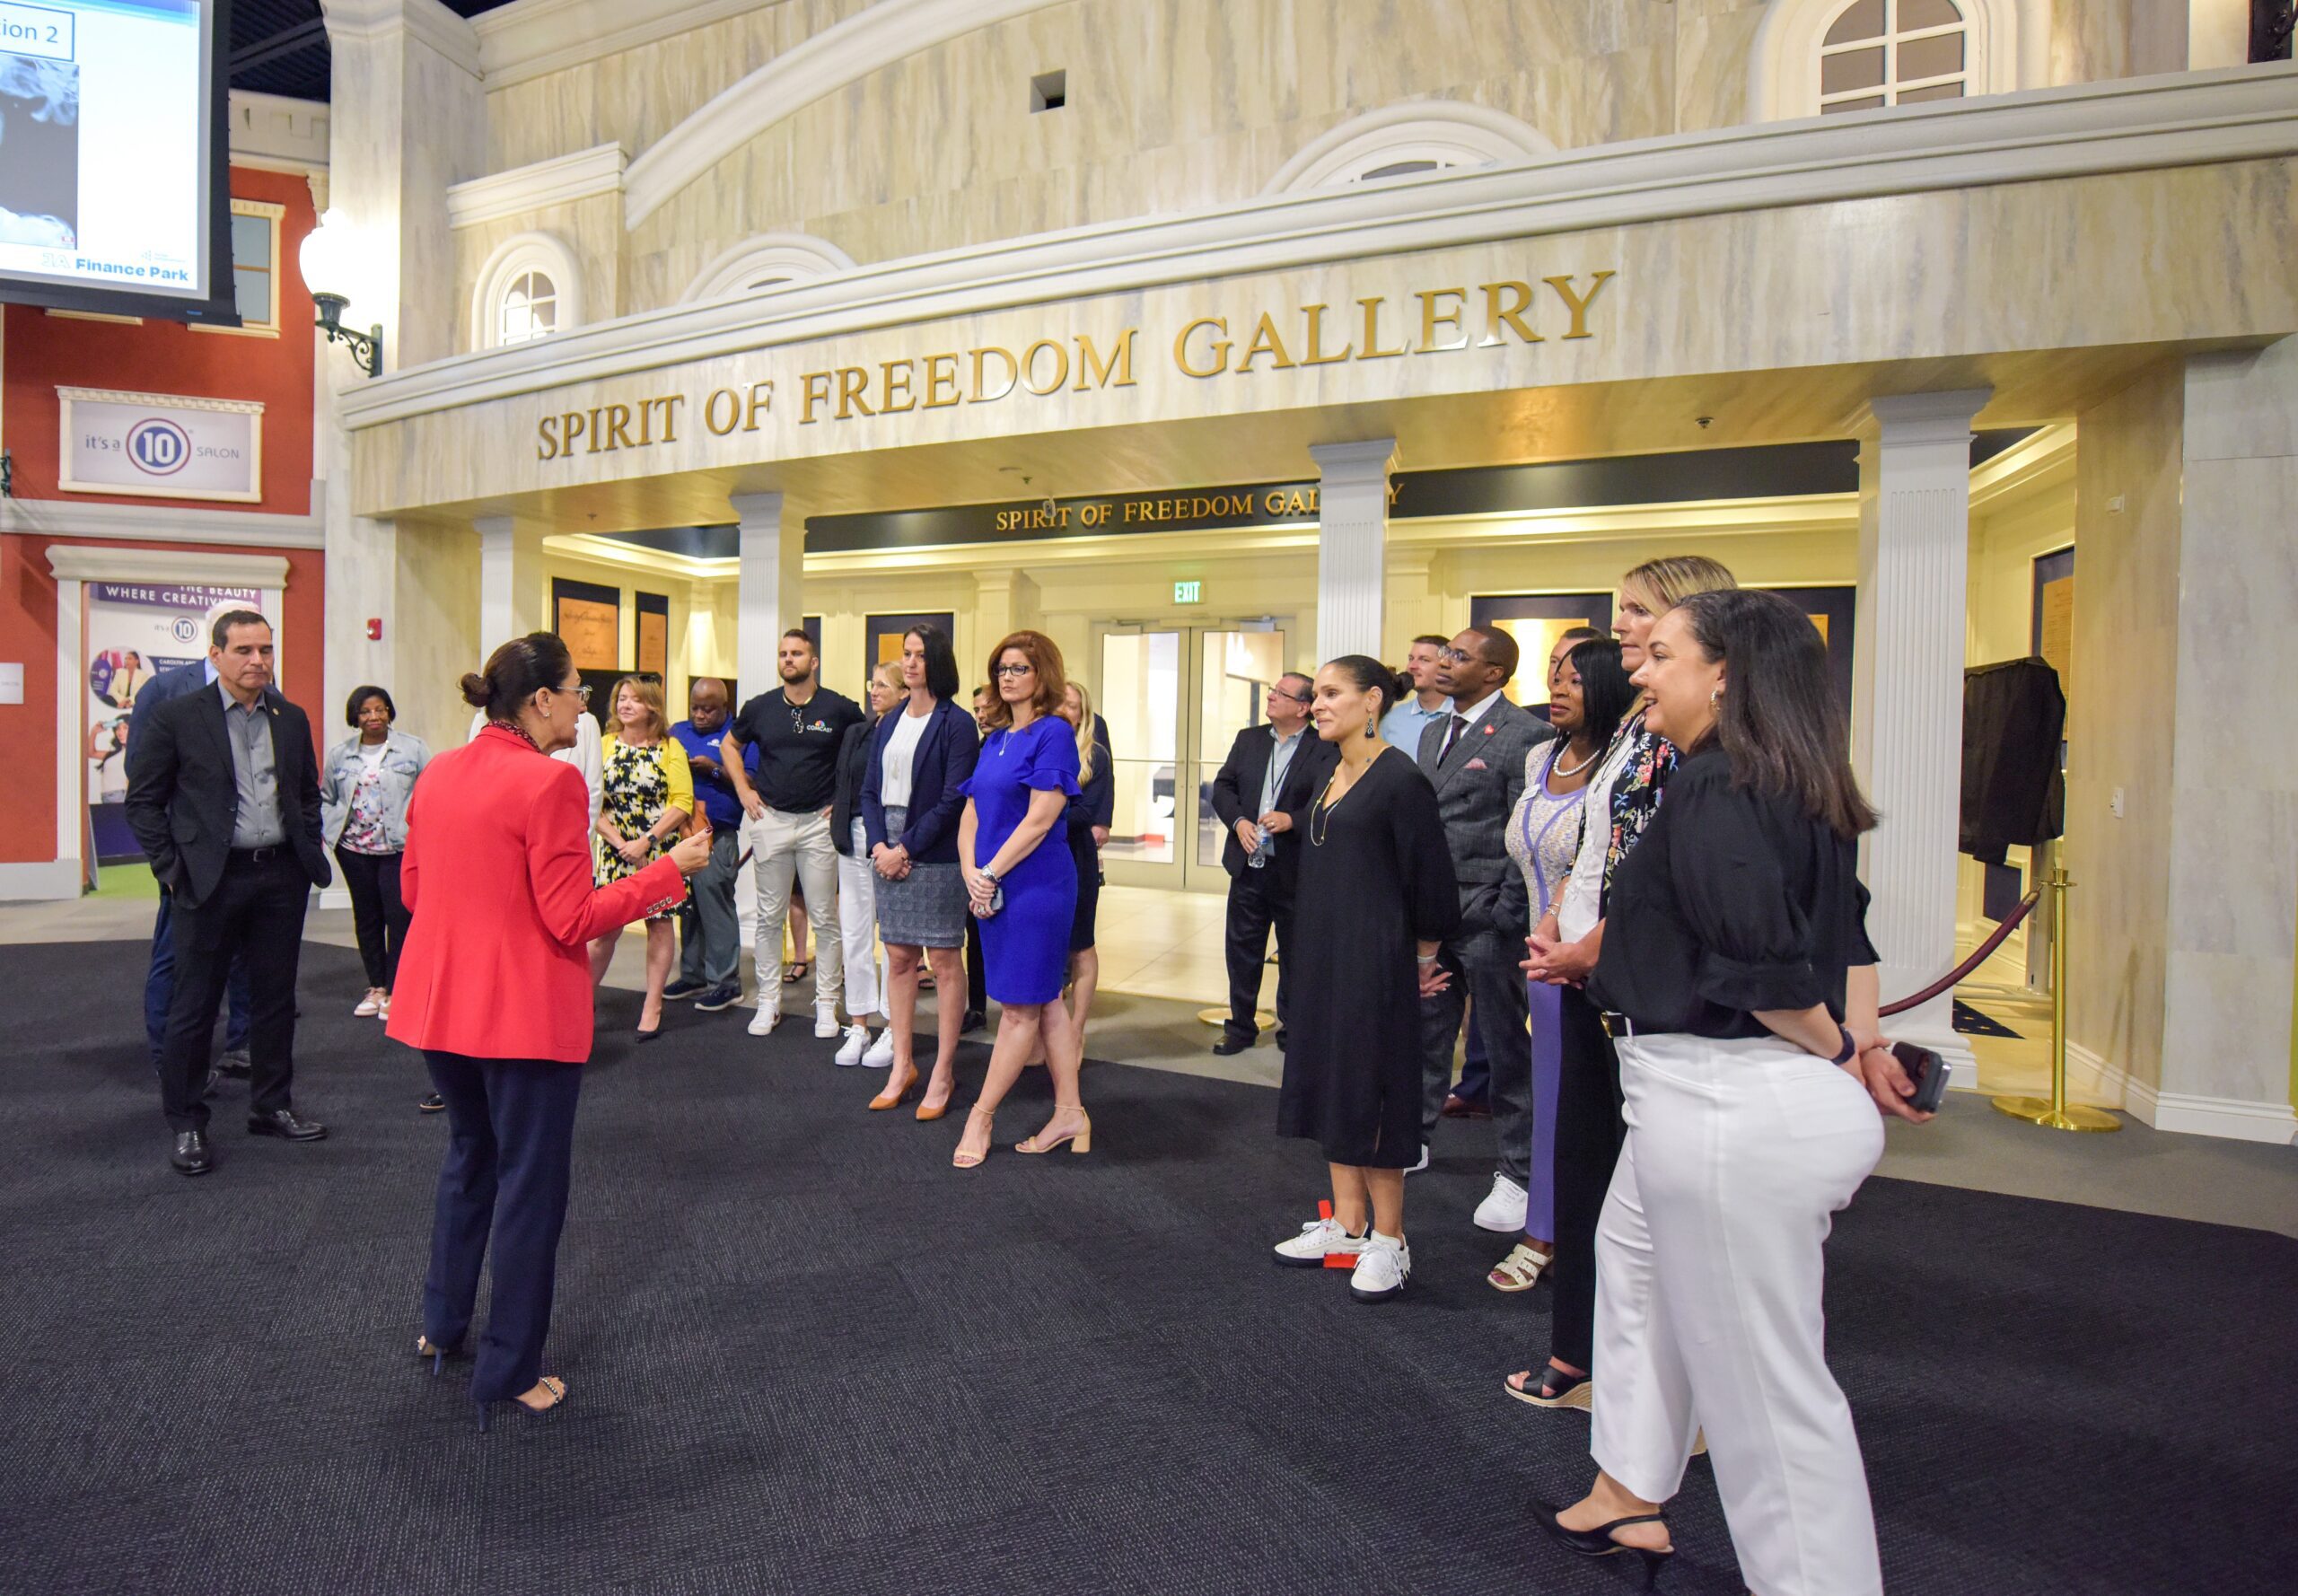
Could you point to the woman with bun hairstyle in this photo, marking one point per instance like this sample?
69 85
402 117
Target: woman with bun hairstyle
1375 898
495 988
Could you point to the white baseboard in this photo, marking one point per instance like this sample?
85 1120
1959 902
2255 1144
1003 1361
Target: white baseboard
2236 1119
46 881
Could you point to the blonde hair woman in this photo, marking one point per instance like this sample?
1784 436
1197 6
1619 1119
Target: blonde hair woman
1089 817
649 796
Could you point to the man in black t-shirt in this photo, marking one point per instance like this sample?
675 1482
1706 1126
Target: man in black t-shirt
797 730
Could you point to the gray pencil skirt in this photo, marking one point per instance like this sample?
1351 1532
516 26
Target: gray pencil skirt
927 908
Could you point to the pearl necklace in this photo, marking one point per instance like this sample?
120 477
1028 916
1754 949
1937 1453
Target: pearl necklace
1556 767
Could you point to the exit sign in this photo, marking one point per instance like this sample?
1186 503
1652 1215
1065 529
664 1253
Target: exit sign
1188 593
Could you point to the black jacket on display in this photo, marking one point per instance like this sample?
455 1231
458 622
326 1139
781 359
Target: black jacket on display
2014 718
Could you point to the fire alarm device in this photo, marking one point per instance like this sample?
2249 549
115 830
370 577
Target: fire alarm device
375 629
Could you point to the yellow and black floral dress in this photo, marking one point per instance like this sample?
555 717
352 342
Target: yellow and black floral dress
639 784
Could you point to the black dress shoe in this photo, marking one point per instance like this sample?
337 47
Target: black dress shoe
1229 1045
190 1155
974 1020
433 1104
641 1035
283 1122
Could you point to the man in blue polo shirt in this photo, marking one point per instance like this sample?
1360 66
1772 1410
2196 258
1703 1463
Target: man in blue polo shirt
710 968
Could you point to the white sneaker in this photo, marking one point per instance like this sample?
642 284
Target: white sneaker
767 1017
1317 1238
880 1055
826 1026
367 1006
849 1052
1381 1268
1416 1168
1503 1208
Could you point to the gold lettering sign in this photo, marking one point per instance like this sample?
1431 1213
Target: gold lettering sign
1426 321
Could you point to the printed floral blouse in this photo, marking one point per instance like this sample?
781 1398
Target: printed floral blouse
1635 796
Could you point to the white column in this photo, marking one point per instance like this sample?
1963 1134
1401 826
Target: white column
1351 545
510 580
1907 694
772 574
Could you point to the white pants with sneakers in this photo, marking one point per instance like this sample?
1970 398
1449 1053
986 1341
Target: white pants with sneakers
1709 1260
857 921
785 846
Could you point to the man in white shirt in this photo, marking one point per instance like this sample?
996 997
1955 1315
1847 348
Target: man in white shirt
1401 727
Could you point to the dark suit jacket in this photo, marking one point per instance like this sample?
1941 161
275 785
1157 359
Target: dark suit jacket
1096 801
944 760
1236 793
182 792
1478 784
846 800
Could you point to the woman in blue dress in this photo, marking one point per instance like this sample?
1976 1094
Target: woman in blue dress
1024 894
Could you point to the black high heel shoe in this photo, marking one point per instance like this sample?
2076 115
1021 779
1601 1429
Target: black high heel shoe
549 1382
423 1348
1597 1542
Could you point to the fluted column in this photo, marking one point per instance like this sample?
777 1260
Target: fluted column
1351 545
1907 695
773 554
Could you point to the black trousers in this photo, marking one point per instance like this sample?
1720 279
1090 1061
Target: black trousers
377 915
257 910
1258 902
1489 986
510 1152
1590 1132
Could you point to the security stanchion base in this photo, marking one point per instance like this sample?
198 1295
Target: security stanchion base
2074 1117
1220 1016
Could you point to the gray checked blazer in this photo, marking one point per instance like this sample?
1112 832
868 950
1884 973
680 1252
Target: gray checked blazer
1478 784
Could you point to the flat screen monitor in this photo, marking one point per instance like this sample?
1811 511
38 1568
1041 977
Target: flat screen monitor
114 183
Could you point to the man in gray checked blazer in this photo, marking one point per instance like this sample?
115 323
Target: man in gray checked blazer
1475 757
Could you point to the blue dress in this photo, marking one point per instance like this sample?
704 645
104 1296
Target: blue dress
1026 944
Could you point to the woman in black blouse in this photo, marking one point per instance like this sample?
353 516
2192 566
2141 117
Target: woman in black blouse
1375 898
1739 985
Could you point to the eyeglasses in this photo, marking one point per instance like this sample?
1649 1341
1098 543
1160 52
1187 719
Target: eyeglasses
1015 669
1295 697
1453 656
582 691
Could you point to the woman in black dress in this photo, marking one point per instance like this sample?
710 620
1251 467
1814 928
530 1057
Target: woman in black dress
1375 898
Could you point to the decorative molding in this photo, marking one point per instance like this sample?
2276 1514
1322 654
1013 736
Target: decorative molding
273 133
796 257
585 174
535 37
812 69
614 552
1448 132
2078 130
378 21
46 881
173 401
2037 461
81 562
2009 49
525 251
2234 1118
165 523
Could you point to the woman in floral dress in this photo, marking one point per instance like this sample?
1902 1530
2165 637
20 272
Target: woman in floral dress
649 797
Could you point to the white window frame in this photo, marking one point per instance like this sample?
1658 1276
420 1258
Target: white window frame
1889 41
1447 132
2006 48
509 260
766 259
267 329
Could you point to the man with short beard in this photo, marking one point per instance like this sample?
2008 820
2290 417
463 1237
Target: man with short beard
710 965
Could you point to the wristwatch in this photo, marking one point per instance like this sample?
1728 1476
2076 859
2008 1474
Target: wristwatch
1850 1046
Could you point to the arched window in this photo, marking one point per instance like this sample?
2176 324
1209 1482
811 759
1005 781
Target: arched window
530 309
529 288
767 262
1407 139
1893 52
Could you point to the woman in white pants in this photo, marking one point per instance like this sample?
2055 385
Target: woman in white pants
1739 985
857 882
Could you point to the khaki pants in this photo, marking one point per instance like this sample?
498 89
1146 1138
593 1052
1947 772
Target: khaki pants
784 844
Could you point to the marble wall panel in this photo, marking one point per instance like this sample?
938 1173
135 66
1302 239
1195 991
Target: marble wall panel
1715 44
590 227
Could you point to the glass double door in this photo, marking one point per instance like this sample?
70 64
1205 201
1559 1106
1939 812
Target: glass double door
1175 699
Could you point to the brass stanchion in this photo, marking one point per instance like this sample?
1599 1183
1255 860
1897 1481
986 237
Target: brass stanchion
1220 1016
2054 1111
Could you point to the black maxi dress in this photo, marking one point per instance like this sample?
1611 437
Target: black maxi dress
1376 876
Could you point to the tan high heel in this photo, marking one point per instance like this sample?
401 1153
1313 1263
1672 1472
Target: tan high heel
890 1099
1080 1140
963 1160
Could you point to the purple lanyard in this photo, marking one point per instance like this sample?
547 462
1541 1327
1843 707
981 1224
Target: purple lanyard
1532 843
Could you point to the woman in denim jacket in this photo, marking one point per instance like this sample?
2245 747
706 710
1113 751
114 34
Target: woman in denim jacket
364 791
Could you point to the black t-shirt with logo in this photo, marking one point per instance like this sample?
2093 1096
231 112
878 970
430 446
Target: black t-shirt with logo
797 746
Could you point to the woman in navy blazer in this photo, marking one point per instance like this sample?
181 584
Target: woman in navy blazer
912 794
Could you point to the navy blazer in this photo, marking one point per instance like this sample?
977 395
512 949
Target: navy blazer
943 762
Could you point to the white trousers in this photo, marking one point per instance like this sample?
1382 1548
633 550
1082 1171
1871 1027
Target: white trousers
857 923
1709 1261
785 846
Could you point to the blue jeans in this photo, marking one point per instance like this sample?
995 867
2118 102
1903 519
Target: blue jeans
160 989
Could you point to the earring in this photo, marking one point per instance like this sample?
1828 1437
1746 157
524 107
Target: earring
1715 695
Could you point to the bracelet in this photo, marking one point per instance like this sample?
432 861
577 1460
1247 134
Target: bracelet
1429 958
1850 1046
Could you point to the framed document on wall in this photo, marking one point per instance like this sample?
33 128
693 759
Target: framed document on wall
1536 620
588 619
2052 628
653 634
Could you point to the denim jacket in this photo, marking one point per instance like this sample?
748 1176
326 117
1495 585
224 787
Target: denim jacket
404 756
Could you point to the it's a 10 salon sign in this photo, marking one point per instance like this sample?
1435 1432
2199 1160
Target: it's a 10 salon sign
161 445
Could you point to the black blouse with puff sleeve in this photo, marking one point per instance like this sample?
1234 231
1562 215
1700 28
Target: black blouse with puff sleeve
1735 900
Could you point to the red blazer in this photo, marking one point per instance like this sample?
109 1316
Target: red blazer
497 875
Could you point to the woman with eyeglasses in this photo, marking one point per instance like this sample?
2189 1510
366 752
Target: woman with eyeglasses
1021 884
586 753
649 798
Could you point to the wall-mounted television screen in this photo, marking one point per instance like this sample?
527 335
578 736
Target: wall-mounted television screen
115 187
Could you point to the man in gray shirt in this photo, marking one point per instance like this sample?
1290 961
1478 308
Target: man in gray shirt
223 794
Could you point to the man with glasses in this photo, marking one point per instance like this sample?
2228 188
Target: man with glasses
796 729
1475 757
589 754
1273 774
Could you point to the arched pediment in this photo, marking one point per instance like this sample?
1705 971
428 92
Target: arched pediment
1439 132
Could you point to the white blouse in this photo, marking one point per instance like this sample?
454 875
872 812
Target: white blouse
894 764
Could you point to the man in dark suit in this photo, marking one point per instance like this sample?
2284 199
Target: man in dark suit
160 980
1475 758
1263 792
224 796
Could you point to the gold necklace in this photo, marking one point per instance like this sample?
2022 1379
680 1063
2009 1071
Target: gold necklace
1327 802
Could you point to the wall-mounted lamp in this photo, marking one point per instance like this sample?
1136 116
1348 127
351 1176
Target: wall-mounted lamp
328 268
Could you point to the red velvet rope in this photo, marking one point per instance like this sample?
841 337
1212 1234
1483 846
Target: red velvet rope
1978 956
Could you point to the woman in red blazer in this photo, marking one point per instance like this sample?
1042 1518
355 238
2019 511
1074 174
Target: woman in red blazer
495 988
